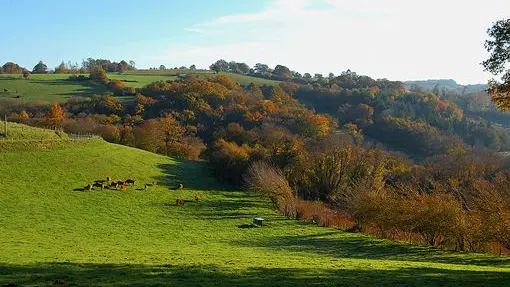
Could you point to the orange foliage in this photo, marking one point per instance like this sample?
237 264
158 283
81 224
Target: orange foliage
225 81
56 111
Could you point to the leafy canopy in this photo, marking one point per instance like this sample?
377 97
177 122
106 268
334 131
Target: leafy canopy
499 48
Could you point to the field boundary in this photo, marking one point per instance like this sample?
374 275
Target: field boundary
72 137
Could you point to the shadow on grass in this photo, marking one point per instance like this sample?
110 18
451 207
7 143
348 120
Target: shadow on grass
193 175
366 247
211 275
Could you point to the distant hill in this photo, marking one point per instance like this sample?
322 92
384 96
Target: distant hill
446 84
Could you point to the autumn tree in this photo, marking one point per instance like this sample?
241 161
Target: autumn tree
40 68
499 48
26 74
61 69
11 68
55 115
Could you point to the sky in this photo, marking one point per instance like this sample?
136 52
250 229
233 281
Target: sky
393 39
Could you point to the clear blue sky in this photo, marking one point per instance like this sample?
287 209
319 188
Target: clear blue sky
62 30
394 39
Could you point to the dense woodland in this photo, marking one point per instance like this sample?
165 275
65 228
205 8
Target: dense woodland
399 161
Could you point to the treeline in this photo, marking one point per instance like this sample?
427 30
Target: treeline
260 70
86 67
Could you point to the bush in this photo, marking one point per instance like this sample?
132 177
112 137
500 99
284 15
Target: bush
229 160
269 182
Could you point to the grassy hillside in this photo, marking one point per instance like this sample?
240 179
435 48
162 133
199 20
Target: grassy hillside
138 81
50 230
246 80
56 87
45 88
20 132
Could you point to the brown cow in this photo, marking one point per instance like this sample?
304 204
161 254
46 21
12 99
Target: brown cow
88 187
123 187
179 201
197 196
114 184
130 181
99 184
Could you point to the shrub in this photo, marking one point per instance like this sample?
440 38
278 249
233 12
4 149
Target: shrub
269 182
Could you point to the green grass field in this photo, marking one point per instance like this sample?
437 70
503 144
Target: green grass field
50 230
20 132
139 75
246 80
46 88
138 81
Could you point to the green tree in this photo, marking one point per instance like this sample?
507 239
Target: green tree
261 69
219 66
40 68
499 48
243 68
98 74
282 73
123 66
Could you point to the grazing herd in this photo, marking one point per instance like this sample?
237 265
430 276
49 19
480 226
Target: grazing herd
109 183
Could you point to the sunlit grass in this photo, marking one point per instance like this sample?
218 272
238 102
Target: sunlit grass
50 229
45 88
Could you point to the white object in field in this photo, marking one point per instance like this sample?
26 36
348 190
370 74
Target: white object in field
258 221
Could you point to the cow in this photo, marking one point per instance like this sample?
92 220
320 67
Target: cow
114 184
120 183
145 187
99 184
197 197
179 201
88 187
130 181
123 187
108 178
180 186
